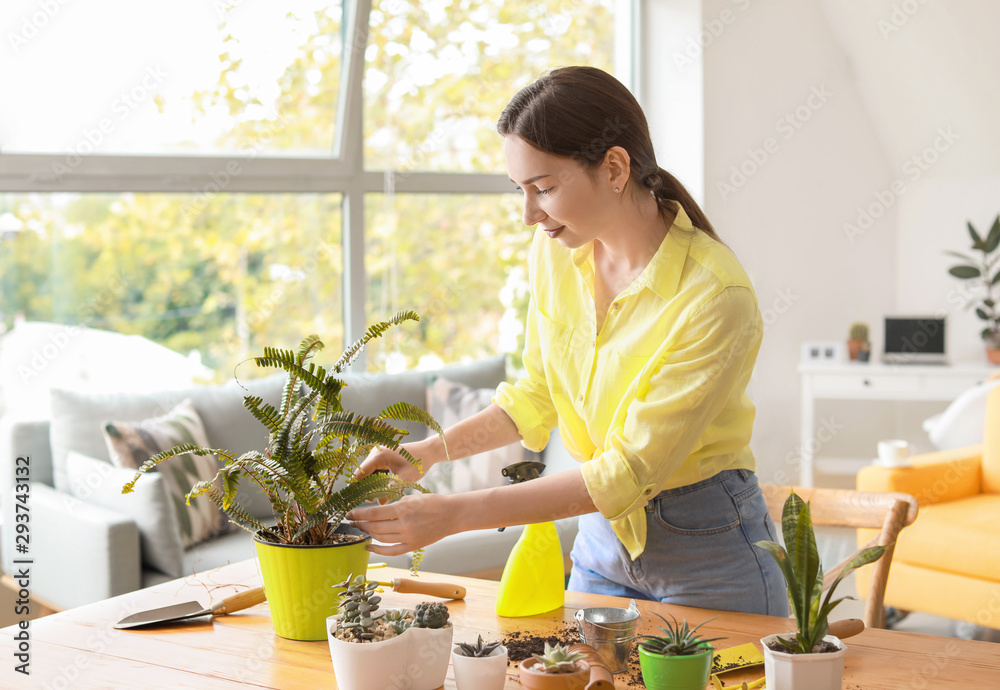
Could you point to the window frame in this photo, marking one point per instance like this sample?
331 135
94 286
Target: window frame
342 172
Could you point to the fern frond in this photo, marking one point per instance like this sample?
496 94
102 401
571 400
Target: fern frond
313 375
309 346
408 412
263 413
415 559
237 514
180 449
374 331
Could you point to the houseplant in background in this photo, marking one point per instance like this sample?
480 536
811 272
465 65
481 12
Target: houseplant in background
857 341
479 666
677 660
306 471
809 658
557 668
984 273
376 650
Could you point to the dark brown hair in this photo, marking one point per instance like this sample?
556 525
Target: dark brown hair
581 112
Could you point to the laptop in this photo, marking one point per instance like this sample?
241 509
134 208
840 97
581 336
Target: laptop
914 340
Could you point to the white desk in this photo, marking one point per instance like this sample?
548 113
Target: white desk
893 382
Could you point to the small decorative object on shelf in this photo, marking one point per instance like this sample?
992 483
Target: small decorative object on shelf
984 272
858 341
809 657
678 659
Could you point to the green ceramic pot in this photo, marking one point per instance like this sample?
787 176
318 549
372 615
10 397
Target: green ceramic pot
660 672
298 581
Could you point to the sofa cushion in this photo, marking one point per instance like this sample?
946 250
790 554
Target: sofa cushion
99 482
78 418
369 394
449 403
991 443
131 444
961 536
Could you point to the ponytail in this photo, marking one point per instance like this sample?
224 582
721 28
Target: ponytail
668 191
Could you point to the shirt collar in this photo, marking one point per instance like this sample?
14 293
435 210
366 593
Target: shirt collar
663 273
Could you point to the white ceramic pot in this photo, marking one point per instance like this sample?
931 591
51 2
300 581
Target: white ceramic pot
480 673
785 671
415 660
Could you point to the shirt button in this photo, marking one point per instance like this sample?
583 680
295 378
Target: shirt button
580 397
618 305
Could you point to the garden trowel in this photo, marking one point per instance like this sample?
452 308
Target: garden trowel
252 597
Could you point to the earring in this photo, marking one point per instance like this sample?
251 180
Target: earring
616 190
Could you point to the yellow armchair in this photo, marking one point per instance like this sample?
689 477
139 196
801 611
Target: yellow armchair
948 562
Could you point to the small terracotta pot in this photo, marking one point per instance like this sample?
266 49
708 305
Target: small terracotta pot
993 355
539 680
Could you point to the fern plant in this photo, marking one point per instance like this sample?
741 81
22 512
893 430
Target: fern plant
314 446
800 564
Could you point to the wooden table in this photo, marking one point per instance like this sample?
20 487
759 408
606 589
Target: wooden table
80 648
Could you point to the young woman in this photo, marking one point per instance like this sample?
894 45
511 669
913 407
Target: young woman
642 334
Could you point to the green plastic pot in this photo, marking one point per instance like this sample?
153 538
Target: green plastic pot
299 581
661 672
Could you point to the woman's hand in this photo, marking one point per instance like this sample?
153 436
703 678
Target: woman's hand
406 525
385 459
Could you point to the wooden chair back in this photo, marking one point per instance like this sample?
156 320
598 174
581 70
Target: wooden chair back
887 512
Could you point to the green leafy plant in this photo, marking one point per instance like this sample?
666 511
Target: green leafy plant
314 445
800 564
479 649
984 272
558 659
678 639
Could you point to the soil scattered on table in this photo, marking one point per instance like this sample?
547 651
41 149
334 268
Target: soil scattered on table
521 646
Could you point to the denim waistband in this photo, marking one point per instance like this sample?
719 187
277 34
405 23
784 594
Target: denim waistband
744 475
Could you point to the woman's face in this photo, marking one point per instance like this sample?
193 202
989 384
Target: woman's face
561 196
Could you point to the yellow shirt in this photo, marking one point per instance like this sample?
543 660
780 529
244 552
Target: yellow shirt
657 398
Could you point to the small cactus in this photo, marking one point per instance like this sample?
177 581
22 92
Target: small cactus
430 615
859 331
479 649
558 659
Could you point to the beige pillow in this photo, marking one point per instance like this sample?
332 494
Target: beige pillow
448 403
132 443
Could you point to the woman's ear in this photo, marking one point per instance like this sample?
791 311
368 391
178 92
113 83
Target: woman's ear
618 165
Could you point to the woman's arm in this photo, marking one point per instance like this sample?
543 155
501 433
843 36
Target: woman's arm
416 521
491 428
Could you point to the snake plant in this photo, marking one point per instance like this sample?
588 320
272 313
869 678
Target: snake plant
314 446
800 564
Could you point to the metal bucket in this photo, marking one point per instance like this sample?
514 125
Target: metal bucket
610 631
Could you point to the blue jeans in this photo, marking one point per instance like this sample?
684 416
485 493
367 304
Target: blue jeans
699 550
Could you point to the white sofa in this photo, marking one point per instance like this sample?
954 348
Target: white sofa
84 552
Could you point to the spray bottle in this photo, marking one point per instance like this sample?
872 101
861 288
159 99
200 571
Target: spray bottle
534 579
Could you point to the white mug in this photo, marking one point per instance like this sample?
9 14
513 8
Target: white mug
893 453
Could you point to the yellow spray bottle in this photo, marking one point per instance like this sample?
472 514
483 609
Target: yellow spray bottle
533 580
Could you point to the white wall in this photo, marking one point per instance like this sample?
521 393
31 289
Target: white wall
812 111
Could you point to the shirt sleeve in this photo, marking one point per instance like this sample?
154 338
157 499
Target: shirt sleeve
695 376
528 401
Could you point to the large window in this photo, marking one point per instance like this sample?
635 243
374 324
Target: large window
286 168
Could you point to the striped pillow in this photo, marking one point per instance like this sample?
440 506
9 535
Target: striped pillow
132 443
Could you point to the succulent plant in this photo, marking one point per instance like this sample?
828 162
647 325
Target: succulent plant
678 639
430 615
859 331
359 607
397 619
479 649
558 659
